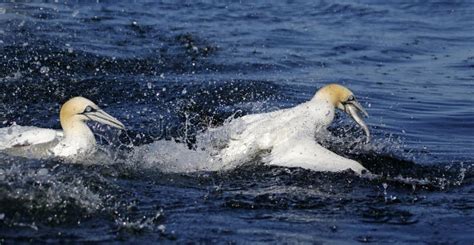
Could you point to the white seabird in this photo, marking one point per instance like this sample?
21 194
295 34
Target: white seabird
287 137
75 140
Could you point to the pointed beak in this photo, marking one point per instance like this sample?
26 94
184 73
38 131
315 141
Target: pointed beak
102 117
353 108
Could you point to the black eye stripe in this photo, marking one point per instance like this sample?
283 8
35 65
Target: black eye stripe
351 98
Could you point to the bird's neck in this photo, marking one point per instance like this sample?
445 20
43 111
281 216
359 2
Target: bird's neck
323 109
77 133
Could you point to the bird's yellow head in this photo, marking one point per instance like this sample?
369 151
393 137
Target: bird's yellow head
82 109
342 98
336 94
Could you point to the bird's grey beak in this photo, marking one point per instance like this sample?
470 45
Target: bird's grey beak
102 117
353 108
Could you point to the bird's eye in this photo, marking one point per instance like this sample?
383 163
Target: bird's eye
351 98
89 109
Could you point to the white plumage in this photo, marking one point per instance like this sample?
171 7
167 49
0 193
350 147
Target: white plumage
287 137
74 141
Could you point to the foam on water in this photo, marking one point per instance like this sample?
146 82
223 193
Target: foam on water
169 156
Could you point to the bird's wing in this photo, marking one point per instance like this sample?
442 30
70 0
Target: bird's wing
303 151
19 136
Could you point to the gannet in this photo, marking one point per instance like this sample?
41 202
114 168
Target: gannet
74 141
287 137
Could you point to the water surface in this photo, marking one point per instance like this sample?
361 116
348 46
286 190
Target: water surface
169 70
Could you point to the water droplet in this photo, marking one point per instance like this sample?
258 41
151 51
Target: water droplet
44 69
42 172
162 228
385 186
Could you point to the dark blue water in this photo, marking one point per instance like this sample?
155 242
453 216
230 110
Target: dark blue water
170 70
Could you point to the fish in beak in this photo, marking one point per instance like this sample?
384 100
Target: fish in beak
353 108
103 117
